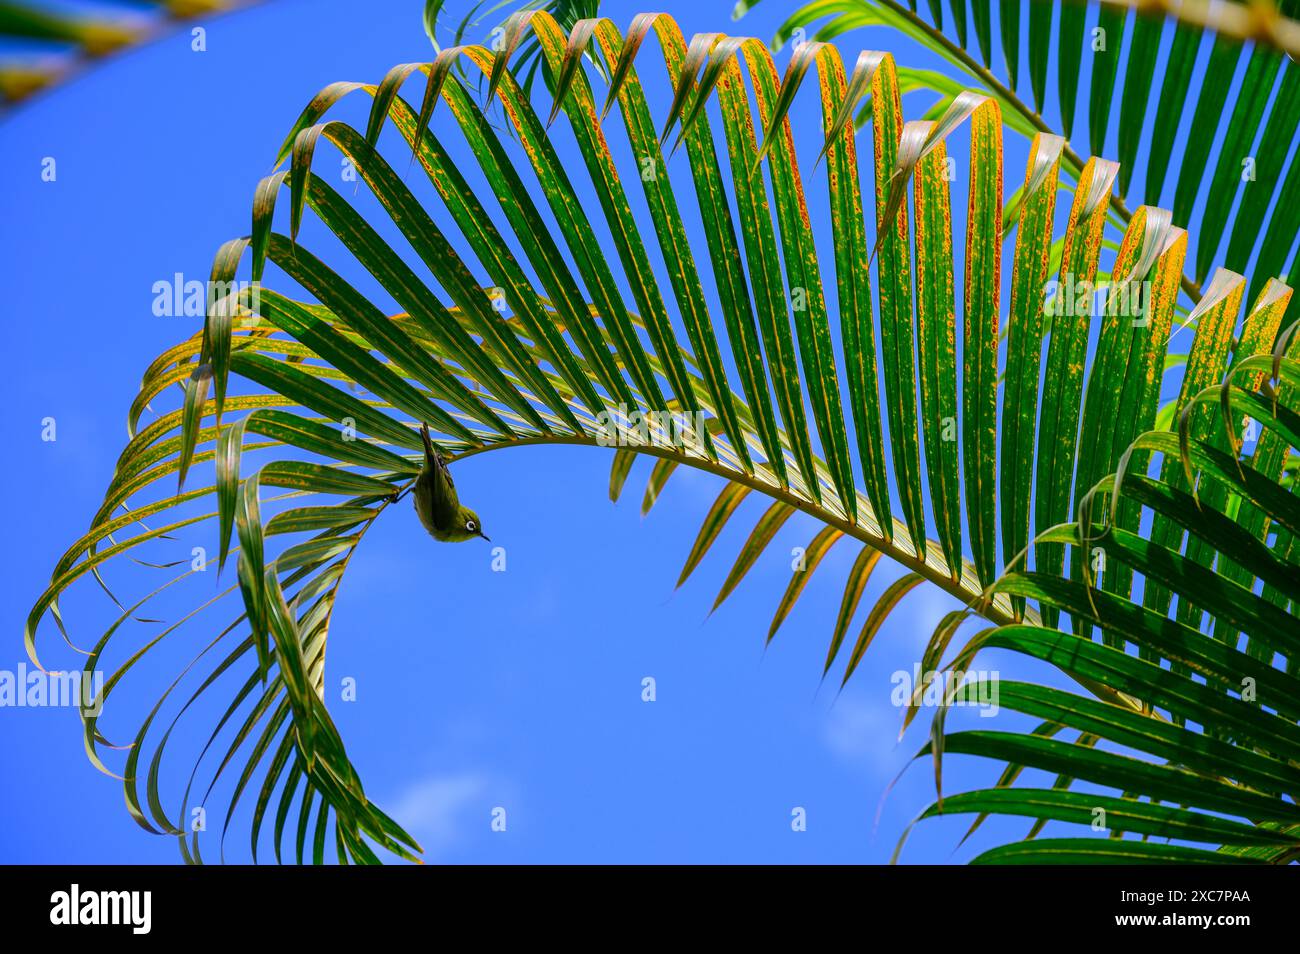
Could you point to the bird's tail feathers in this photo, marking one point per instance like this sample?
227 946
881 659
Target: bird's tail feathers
430 455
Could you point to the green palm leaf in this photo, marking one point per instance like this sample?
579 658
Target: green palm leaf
499 351
1248 164
59 42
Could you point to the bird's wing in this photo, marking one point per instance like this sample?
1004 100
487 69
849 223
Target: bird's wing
444 500
445 471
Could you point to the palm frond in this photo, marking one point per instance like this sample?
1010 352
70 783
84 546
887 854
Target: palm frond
1216 731
1239 222
541 345
494 16
47 43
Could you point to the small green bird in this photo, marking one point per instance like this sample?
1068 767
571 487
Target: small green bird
436 501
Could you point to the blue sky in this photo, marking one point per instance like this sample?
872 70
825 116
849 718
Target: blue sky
476 690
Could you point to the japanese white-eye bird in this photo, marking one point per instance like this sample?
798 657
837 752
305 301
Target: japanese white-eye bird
436 501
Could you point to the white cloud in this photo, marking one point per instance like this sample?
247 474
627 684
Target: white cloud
923 610
434 809
862 734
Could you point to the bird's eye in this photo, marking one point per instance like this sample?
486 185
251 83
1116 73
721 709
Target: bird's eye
470 526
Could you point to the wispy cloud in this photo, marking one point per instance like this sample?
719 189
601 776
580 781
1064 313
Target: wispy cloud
925 609
435 809
862 734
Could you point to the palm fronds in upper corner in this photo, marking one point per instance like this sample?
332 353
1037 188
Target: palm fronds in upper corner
1172 126
48 42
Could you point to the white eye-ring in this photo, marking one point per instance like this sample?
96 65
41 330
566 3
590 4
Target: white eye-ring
469 525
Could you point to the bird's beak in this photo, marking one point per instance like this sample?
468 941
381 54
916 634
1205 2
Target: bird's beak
485 536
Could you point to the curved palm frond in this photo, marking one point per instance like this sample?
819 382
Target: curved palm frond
531 340
52 43
528 60
1240 221
1212 757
